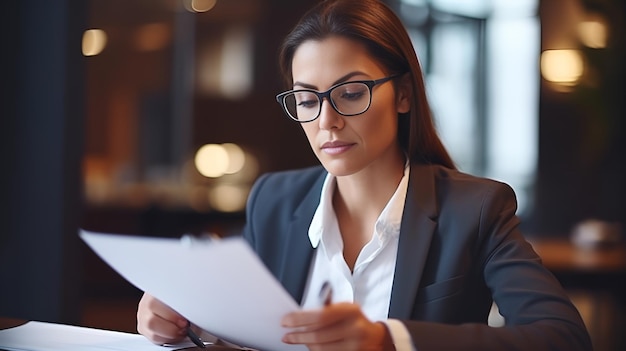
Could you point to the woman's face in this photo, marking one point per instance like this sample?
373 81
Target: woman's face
347 145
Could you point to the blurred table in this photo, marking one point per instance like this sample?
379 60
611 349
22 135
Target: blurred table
561 255
6 323
594 277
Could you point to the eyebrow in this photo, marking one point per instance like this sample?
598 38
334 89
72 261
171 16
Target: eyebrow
340 80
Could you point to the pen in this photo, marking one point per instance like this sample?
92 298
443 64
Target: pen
326 294
194 337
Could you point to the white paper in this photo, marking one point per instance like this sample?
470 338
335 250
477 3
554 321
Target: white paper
36 336
221 286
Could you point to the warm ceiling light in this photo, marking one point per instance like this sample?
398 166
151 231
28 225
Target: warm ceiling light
593 34
94 41
228 198
236 158
563 67
199 5
214 161
211 160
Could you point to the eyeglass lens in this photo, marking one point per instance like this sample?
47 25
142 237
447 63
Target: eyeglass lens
347 99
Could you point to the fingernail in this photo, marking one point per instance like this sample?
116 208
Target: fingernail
182 323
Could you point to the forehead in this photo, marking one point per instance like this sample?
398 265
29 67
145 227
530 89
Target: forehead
322 62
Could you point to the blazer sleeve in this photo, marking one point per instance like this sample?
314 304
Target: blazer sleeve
537 311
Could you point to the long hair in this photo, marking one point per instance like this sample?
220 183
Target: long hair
374 24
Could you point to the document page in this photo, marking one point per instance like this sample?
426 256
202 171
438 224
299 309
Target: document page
34 336
220 285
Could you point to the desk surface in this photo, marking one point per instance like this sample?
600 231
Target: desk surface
561 255
6 323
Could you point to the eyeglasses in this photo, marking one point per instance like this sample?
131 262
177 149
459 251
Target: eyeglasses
347 98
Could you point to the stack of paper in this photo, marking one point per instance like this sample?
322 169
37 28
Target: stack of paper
220 285
35 336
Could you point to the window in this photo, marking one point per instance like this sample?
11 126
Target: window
480 63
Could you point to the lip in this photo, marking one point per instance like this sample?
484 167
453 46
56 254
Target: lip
336 147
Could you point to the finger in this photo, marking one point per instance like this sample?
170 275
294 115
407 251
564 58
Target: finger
154 326
160 331
301 319
160 340
338 340
319 318
164 311
346 345
348 334
163 329
329 333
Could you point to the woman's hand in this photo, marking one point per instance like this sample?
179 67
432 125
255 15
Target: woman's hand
340 326
158 322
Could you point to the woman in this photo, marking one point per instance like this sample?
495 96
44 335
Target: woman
416 252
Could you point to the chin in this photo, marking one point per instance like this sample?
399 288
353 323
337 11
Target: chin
339 168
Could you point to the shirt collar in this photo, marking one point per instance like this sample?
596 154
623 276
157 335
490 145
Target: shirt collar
387 225
324 211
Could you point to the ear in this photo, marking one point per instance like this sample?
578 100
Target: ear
404 94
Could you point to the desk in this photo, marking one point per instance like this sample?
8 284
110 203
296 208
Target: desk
594 279
6 323
561 255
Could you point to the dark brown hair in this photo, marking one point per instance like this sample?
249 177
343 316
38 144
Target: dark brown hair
374 24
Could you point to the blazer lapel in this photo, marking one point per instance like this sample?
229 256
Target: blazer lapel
416 231
298 249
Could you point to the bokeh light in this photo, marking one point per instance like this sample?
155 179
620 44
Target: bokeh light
593 34
228 197
563 67
236 158
152 37
94 41
199 5
212 160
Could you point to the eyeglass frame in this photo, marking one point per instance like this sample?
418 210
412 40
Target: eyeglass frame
370 83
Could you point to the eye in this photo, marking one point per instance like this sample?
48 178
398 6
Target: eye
351 92
306 100
307 103
347 95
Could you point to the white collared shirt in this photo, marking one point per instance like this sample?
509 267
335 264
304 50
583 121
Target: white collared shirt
369 285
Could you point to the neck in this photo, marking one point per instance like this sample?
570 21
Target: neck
366 193
358 201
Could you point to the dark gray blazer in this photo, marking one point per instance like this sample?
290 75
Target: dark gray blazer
459 250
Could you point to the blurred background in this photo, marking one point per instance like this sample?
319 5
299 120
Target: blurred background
154 117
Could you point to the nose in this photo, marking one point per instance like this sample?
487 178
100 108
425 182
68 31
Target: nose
329 118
